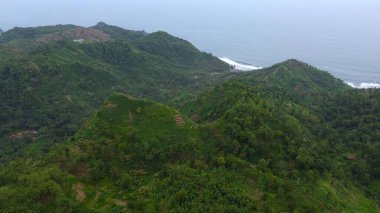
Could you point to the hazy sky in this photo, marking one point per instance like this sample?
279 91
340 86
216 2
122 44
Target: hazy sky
164 14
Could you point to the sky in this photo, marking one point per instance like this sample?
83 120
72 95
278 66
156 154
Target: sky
161 14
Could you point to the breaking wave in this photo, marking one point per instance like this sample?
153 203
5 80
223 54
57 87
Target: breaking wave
364 85
239 65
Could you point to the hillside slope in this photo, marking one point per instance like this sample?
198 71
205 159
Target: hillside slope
322 126
288 138
50 84
118 33
137 155
29 33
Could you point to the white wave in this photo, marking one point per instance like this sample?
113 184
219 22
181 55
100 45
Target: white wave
239 66
364 85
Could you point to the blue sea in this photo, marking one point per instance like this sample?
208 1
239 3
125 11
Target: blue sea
348 57
341 37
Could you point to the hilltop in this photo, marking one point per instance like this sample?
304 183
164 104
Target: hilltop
50 83
119 33
139 147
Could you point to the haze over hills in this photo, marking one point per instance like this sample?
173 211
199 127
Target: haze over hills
105 119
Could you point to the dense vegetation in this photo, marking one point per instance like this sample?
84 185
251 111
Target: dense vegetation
119 33
288 138
19 33
52 87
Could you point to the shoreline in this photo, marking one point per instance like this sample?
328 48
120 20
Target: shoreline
245 67
363 85
239 66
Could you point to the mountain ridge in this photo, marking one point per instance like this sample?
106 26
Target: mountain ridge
62 78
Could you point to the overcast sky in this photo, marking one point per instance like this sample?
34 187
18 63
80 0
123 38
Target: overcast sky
165 14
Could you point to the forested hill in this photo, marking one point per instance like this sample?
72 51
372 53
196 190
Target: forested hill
138 155
30 33
50 83
105 119
119 33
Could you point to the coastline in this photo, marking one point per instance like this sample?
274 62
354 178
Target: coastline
239 66
363 85
245 67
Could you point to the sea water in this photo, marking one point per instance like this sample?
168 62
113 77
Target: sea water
338 36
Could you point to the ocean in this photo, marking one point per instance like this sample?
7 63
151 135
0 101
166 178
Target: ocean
351 59
341 37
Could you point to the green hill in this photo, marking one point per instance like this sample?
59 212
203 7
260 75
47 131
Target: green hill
197 138
52 86
331 132
291 74
136 155
297 80
179 52
29 33
131 154
118 33
151 133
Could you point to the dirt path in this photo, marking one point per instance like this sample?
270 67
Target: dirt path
120 202
130 116
79 190
179 120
